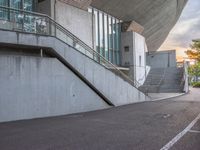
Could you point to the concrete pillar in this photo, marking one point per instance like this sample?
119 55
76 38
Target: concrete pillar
133 49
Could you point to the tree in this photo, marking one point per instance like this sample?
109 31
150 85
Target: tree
194 71
194 52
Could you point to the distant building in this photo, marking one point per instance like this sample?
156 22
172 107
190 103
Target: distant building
162 59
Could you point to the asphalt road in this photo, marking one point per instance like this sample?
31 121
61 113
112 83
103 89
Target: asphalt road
142 126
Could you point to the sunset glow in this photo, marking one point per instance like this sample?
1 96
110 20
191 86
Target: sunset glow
186 29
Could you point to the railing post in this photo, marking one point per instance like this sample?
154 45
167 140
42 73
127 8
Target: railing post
41 52
49 22
23 17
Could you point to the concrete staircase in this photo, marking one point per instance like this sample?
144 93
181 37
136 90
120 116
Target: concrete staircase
163 80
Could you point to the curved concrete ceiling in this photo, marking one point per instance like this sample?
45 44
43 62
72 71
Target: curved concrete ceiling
156 16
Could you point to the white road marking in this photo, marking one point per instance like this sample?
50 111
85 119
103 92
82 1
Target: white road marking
181 134
194 131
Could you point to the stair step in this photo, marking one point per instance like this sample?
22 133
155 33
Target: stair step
170 83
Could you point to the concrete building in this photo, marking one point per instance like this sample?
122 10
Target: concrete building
67 56
162 59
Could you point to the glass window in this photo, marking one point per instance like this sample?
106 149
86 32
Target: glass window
96 29
4 2
107 36
16 4
117 35
114 40
110 39
29 20
16 16
3 13
118 39
101 33
28 5
126 49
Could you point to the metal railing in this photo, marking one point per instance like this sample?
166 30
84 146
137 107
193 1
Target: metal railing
138 67
156 85
36 23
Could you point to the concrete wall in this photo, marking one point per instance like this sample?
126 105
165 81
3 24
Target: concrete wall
118 91
135 58
162 59
33 87
140 52
82 4
127 57
77 21
46 7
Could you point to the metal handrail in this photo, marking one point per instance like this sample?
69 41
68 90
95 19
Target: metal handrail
163 77
146 90
182 78
74 39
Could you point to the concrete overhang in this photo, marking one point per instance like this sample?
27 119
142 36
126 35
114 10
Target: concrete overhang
156 16
83 4
132 26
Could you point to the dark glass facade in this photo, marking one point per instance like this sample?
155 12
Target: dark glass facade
107 28
107 31
27 5
17 19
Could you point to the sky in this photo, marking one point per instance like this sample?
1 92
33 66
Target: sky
186 29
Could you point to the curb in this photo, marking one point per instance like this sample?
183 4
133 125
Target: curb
166 98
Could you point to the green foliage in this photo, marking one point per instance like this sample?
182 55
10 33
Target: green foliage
195 45
194 53
196 84
194 70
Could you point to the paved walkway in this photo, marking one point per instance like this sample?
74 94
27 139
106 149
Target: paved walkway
155 96
142 126
194 95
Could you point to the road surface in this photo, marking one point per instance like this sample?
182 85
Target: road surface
168 124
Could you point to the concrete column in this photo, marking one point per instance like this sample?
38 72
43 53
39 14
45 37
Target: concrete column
133 55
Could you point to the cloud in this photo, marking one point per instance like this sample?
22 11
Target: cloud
186 29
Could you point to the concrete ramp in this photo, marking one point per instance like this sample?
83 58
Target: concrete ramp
109 84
